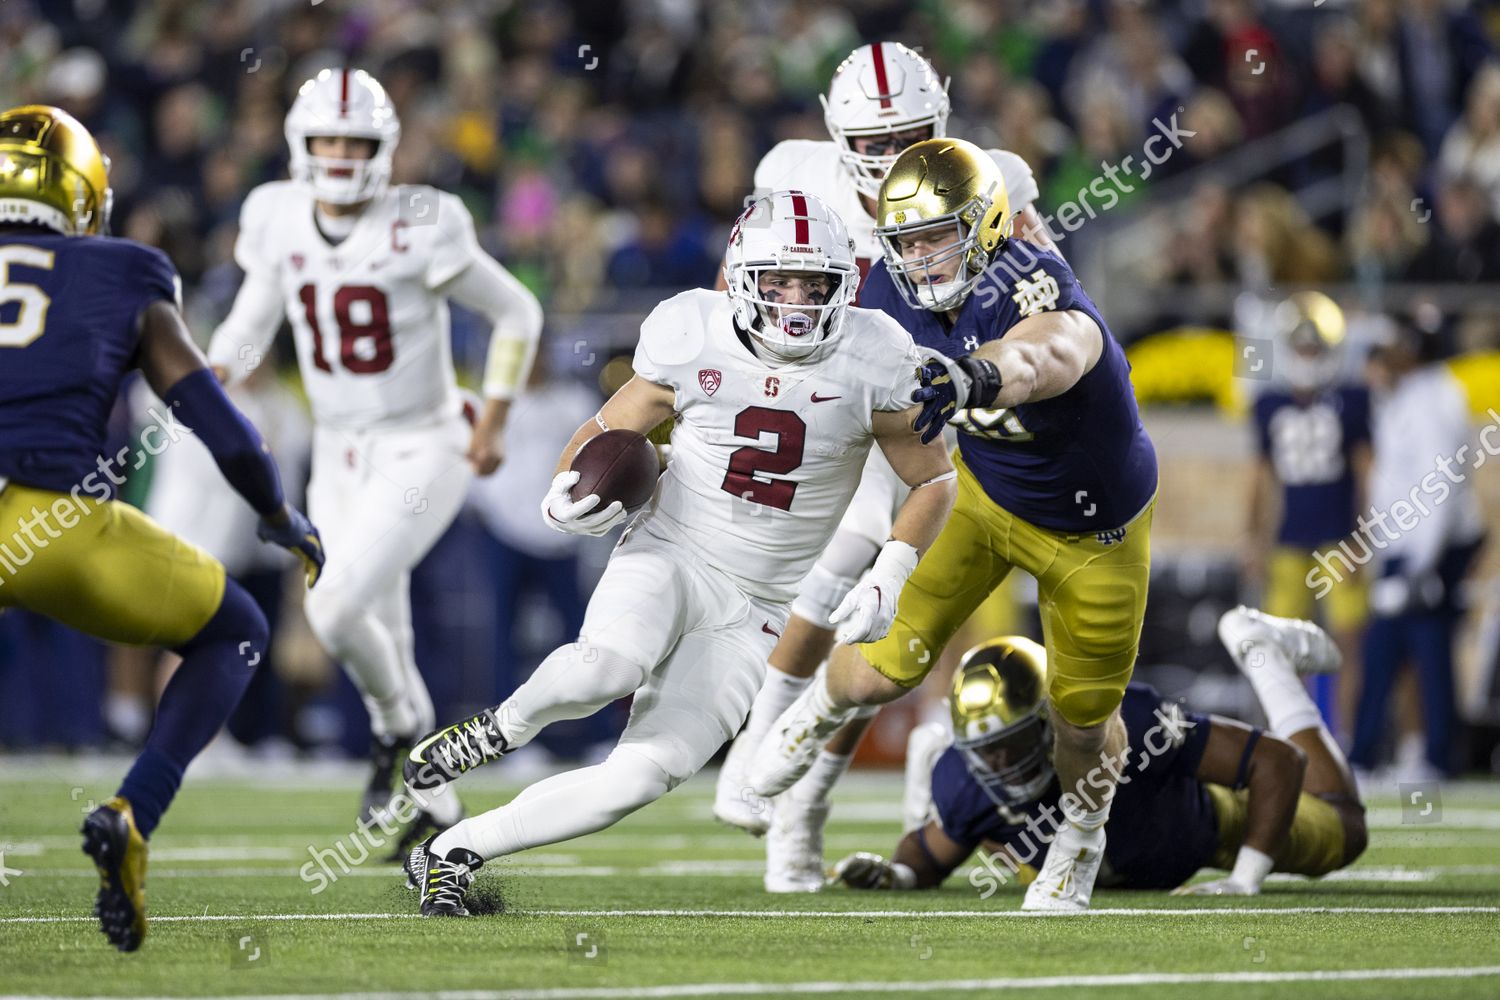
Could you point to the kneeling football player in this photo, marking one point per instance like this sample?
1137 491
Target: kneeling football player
1193 791
780 387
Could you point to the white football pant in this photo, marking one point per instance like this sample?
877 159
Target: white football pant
381 499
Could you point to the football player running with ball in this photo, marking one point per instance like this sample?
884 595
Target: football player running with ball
1056 477
882 98
780 387
363 271
83 311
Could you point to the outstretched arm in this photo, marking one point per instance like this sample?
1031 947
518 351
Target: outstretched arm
179 374
241 341
923 859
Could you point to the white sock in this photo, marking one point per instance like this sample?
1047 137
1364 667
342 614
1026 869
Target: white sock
1085 821
1282 694
561 807
814 786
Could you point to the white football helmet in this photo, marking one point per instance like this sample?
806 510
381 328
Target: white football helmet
882 89
347 102
790 231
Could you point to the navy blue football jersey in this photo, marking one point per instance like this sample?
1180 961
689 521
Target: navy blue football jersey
69 307
1162 827
1079 462
1310 442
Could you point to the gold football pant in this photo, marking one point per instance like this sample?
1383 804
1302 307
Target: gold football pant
1315 845
103 568
1091 589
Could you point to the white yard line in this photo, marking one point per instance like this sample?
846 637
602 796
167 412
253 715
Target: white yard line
827 987
251 918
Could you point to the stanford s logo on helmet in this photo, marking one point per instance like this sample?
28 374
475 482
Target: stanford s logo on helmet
343 102
790 231
882 89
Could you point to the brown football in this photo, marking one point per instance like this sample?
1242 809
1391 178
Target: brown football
618 465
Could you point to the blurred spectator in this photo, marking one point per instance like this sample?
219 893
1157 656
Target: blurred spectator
1467 242
1472 146
1276 244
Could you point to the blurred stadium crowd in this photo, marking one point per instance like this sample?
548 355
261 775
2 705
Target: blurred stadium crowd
604 148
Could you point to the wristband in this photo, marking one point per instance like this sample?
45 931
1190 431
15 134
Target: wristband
984 379
902 877
1251 867
897 560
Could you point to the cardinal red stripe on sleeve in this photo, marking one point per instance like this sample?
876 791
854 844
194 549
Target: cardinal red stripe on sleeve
799 209
881 83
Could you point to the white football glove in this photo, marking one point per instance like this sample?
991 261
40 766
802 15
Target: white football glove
868 610
1218 887
863 870
578 517
1250 869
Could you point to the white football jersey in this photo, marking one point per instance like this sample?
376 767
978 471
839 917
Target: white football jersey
813 166
370 326
764 457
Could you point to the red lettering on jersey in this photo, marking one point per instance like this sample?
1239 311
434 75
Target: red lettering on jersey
397 244
773 386
709 379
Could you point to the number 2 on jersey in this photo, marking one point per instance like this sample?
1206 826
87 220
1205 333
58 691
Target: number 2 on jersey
748 462
376 329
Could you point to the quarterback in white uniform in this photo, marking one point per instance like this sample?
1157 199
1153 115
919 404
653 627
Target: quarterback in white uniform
363 271
883 98
779 388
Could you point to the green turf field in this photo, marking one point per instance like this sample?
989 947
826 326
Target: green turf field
669 904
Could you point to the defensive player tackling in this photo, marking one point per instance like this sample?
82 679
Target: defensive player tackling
1056 477
780 387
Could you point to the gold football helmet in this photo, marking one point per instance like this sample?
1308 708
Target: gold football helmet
52 172
1310 325
999 709
942 184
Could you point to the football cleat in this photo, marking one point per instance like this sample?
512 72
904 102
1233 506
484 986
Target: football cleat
442 881
1066 881
1308 648
110 837
794 847
384 753
443 755
795 741
735 802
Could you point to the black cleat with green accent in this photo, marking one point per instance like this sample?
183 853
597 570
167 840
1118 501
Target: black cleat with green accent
444 754
442 881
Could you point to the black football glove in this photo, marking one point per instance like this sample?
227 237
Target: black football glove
949 385
297 535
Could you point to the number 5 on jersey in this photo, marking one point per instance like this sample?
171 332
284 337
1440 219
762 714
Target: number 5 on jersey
363 318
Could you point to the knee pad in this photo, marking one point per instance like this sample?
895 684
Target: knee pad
239 620
639 771
1083 695
819 595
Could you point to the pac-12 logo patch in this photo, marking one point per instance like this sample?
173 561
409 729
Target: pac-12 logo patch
710 379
